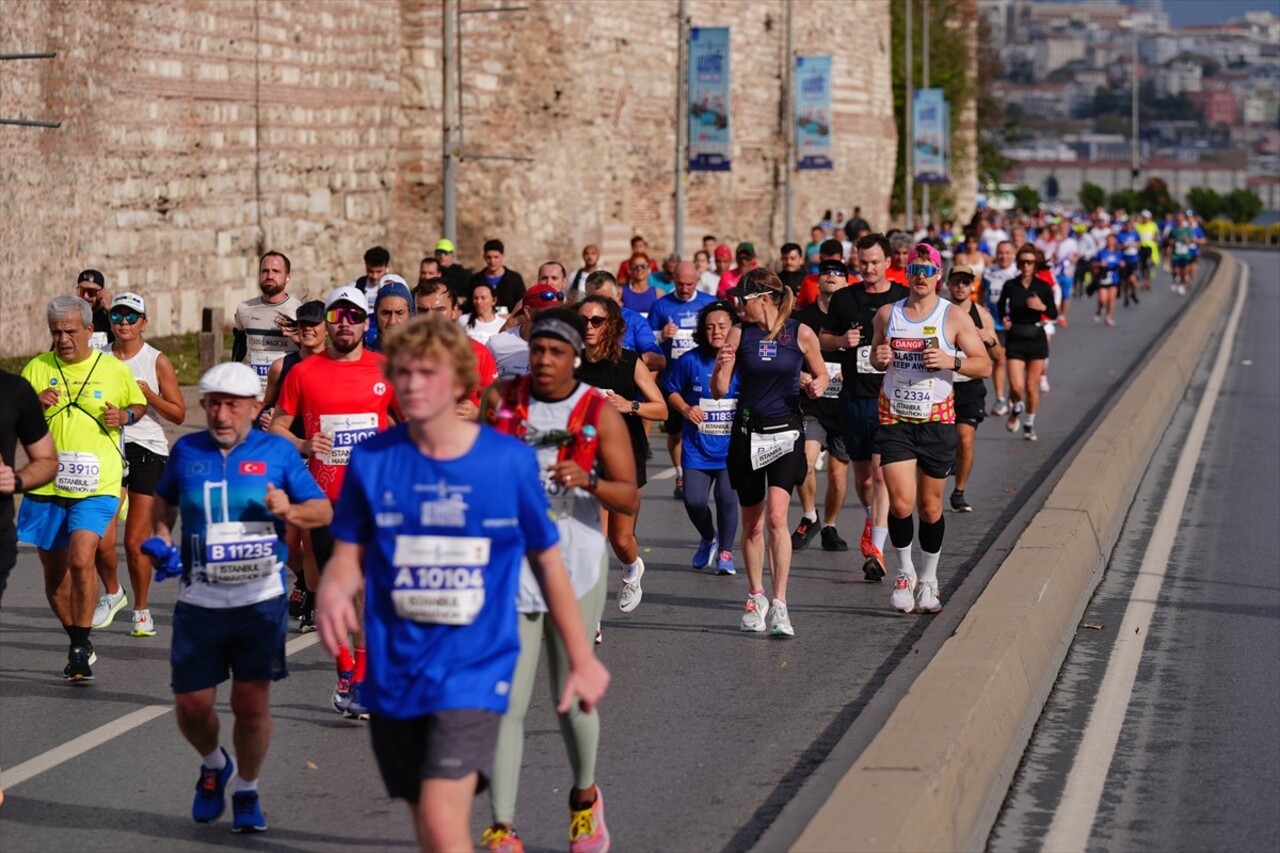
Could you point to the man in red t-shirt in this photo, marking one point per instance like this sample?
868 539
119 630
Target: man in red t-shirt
900 245
830 250
343 397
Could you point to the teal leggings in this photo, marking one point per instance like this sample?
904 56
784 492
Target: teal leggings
581 732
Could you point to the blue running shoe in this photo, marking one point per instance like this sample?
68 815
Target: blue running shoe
706 553
211 791
342 691
355 709
724 564
246 812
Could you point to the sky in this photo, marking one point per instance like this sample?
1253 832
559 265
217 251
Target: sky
1184 12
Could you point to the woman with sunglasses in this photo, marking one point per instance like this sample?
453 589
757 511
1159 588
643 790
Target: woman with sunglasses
1107 268
633 392
766 447
1025 303
704 438
146 448
639 295
484 321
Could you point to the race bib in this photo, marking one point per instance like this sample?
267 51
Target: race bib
772 446
1181 248
98 341
439 579
240 551
347 432
835 380
78 472
682 342
261 362
864 360
911 399
719 420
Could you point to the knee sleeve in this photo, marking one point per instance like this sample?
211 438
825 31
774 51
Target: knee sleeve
902 530
931 534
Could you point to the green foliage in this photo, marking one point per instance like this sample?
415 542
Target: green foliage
1205 202
1156 198
1241 205
1026 198
1092 196
1124 200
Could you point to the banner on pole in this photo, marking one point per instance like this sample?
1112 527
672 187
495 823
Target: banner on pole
813 112
929 146
709 140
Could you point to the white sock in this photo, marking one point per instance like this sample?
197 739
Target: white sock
929 566
810 517
878 537
867 507
905 566
630 571
1029 420
215 760
242 785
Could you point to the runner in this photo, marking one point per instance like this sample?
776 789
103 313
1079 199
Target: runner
971 256
766 448
342 398
1181 246
970 393
235 488
443 303
705 425
87 398
146 448
1107 269
484 321
393 306
510 349
993 281
639 336
1131 249
848 328
582 450
259 333
91 286
822 427
917 343
1023 303
1149 248
21 421
631 390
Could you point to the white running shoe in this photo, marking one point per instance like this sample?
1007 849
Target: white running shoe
903 597
1044 383
753 615
143 624
927 600
108 606
780 620
629 597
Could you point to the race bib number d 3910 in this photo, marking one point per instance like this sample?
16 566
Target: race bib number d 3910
80 473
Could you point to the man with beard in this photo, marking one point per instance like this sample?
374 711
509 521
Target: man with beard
258 331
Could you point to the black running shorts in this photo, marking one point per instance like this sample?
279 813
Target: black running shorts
443 745
931 445
970 402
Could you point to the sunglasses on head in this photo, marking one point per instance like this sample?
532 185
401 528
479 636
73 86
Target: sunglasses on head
926 270
547 296
347 314
125 318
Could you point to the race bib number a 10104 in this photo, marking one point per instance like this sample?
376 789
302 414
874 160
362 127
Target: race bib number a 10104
439 579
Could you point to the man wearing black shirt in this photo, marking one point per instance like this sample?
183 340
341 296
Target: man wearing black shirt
455 275
91 286
21 420
508 285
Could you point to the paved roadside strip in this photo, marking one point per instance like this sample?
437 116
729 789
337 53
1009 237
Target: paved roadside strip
935 774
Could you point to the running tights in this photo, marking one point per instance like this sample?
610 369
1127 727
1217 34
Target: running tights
581 732
697 494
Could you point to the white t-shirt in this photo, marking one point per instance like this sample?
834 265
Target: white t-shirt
482 331
511 352
708 282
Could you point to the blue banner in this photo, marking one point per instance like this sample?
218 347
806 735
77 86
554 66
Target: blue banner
929 129
709 141
813 112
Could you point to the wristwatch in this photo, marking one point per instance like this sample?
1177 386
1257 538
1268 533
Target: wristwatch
635 407
957 367
593 481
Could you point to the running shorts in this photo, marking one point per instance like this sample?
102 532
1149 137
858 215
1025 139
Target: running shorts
828 437
209 642
786 472
931 445
1026 343
443 745
860 420
144 467
47 521
970 402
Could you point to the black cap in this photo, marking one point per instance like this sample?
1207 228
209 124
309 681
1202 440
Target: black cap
93 276
311 312
836 267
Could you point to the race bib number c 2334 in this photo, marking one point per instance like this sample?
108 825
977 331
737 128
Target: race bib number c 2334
911 398
240 551
347 431
439 579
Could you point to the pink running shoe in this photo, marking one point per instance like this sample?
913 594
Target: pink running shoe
587 830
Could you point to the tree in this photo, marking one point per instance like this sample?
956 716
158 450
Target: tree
1092 196
1205 202
1242 205
1026 198
1155 197
1124 200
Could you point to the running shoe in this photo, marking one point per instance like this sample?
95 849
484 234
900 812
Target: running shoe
307 621
79 664
1012 424
108 606
724 564
705 556
804 533
211 791
1001 408
246 812
927 600
678 492
1135 299
1110 321
296 598
873 568
903 597
342 690
501 839
1062 322
1097 318
143 624
1044 383
753 614
355 709
631 593
780 620
1029 433
587 830
831 540
867 542
599 634
958 503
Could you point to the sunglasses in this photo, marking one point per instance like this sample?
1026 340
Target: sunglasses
749 296
639 266
545 296
961 280
926 270
125 319
88 291
1025 261
351 316
595 322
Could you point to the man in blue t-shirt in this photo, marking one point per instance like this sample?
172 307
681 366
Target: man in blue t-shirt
235 488
437 552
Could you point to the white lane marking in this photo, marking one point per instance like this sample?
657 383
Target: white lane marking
19 773
664 474
1073 820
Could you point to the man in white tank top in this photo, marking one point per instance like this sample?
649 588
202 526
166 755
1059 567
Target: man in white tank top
918 342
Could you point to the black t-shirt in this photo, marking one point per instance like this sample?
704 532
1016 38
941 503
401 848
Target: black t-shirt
853 306
620 378
457 277
21 420
102 323
823 408
1013 304
509 289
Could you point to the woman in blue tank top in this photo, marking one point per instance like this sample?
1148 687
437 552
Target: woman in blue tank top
766 446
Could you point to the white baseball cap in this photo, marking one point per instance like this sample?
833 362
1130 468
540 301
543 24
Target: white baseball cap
130 300
389 278
233 378
349 294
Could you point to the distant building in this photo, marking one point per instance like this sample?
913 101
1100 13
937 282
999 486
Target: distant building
1112 175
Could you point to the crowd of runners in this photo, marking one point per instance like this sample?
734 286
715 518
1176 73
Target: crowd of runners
344 479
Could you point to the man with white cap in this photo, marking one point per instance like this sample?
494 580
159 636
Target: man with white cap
258 331
342 397
236 487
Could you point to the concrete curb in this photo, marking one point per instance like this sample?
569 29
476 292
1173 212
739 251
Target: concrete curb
936 773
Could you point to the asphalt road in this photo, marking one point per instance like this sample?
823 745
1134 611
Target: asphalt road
1197 763
711 739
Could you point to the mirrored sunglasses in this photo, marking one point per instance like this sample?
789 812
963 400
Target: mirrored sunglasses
926 270
350 315
125 318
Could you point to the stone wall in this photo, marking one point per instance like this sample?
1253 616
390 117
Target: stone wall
197 133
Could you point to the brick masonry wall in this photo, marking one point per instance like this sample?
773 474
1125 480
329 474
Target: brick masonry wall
197 133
